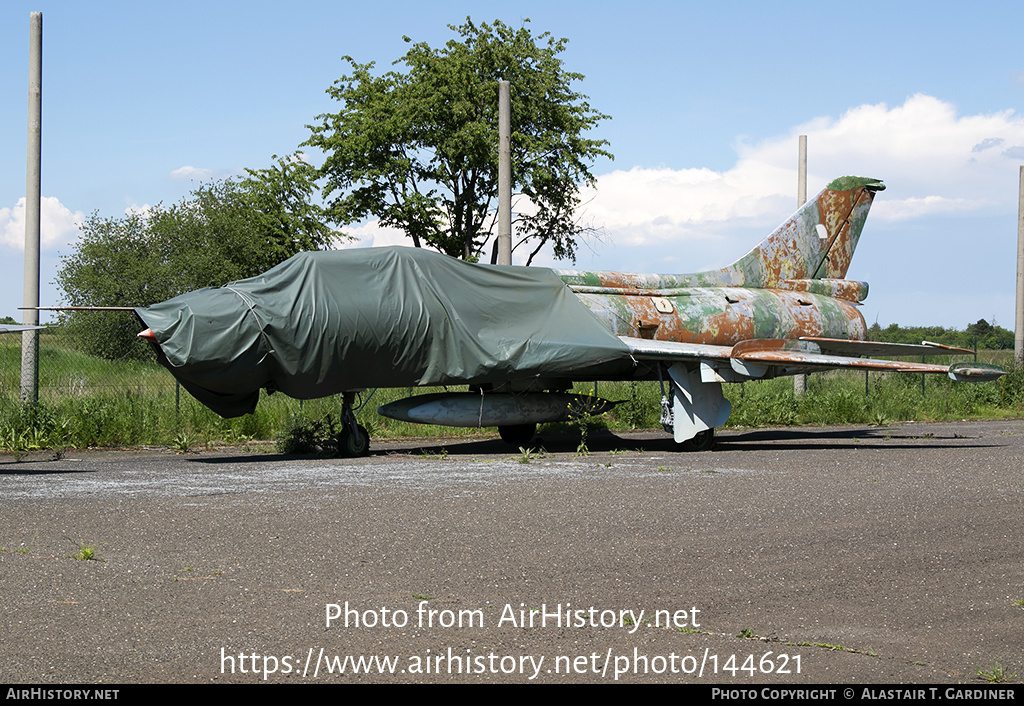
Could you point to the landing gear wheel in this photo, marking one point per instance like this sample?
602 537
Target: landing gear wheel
702 442
517 434
353 440
352 445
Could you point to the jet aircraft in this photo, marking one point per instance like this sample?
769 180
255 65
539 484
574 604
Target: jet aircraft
345 321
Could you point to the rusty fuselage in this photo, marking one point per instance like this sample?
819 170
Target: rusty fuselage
723 316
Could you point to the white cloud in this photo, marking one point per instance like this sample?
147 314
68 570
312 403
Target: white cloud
942 169
373 234
190 172
933 160
987 143
58 225
644 205
921 148
136 210
903 209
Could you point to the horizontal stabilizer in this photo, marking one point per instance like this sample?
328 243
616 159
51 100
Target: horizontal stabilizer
873 348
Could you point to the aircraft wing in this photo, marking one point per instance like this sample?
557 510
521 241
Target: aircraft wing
756 358
870 348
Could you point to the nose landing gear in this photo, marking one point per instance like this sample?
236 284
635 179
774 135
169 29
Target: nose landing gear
353 439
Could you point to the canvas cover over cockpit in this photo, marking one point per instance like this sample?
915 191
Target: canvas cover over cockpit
322 323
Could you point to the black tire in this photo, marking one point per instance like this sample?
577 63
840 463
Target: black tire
517 434
354 445
702 442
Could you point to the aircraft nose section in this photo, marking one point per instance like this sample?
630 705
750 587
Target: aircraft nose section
212 342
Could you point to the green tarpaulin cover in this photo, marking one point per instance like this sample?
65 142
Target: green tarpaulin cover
325 322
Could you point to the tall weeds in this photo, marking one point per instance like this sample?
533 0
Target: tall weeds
114 417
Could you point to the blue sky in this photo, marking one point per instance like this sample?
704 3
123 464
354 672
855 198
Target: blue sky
141 100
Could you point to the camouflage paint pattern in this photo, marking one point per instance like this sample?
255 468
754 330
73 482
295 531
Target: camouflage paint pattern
796 250
727 315
791 285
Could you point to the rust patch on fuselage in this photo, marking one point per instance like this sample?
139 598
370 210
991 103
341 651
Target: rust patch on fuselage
725 316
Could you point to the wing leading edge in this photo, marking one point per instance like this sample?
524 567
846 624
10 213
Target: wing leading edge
762 358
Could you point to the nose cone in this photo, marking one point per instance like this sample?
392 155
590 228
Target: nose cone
212 343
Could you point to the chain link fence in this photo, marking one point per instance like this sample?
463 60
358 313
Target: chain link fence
67 372
124 397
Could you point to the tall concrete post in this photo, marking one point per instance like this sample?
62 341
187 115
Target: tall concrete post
800 381
30 296
1018 337
504 174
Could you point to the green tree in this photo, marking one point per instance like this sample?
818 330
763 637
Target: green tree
980 334
418 149
278 202
987 335
223 231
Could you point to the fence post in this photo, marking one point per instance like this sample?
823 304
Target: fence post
923 360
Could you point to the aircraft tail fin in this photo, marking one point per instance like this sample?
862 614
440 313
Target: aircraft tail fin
810 252
816 242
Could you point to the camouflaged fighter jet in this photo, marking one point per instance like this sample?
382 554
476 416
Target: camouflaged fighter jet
323 323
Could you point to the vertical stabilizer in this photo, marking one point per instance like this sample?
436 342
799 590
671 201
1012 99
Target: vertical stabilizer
816 242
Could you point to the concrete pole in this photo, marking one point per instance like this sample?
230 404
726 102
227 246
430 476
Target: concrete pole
504 174
1018 337
800 381
30 296
801 172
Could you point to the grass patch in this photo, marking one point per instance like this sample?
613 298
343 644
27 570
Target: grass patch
529 455
995 674
89 402
86 551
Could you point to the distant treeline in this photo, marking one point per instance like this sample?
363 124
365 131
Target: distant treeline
980 335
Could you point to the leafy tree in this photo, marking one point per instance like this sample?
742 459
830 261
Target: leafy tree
224 231
981 334
279 205
988 335
419 149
